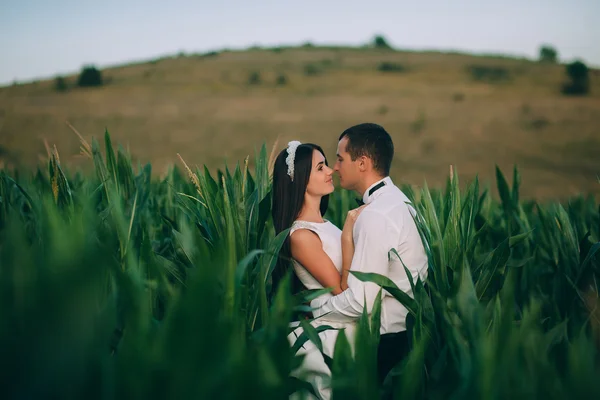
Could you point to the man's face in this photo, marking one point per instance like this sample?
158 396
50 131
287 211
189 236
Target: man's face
347 169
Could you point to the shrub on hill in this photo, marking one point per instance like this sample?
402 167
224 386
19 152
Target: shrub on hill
381 43
60 84
491 74
254 78
387 66
548 54
579 83
311 70
90 76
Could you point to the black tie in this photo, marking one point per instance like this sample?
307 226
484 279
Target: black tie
373 190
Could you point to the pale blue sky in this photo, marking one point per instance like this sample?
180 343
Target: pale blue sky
43 38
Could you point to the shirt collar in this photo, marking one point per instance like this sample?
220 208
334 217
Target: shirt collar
376 189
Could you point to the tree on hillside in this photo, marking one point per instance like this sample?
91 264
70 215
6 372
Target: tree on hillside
60 84
381 43
578 73
548 54
90 76
254 78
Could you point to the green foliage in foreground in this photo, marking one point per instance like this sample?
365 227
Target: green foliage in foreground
121 285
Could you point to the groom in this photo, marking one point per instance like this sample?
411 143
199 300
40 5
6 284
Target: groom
364 156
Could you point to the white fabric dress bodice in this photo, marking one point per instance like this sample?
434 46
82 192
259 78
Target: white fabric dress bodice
330 236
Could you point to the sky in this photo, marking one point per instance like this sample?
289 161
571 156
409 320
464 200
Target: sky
41 38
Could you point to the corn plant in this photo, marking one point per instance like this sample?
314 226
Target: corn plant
121 284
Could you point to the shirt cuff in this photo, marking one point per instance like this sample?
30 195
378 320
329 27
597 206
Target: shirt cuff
325 311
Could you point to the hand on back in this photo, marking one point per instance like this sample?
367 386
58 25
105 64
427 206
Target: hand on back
351 218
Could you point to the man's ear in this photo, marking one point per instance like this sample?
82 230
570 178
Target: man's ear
363 163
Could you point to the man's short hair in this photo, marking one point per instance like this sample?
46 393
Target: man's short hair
373 141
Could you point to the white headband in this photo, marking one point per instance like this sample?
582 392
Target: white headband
291 150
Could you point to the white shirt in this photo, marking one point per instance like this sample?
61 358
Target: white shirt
386 223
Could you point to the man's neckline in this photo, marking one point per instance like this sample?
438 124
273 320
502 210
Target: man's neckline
376 188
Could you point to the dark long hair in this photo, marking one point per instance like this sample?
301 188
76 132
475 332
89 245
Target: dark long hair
288 199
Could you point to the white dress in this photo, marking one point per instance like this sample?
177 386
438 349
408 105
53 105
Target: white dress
330 236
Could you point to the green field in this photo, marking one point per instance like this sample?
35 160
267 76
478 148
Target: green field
121 282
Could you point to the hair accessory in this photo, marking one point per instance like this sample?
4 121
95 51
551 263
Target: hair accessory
291 150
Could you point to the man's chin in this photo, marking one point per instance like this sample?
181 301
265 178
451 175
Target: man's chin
343 185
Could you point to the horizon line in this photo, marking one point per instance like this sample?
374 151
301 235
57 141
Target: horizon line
306 44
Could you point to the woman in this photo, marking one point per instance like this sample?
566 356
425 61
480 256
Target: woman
321 253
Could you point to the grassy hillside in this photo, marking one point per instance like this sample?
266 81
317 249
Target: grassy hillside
207 109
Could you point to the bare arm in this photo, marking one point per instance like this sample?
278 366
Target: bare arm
347 254
307 249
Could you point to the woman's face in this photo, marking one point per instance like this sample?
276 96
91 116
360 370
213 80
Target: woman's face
320 182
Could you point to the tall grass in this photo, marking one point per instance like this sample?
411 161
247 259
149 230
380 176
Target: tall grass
123 285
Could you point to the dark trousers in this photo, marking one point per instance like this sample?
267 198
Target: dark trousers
393 348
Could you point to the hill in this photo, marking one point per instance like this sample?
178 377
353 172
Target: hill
469 111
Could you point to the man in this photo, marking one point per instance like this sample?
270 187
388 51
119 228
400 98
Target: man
364 157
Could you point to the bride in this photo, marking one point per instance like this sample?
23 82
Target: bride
321 253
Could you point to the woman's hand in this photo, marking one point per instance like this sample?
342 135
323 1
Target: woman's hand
348 244
351 218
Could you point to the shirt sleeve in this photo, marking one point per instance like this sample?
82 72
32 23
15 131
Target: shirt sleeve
370 255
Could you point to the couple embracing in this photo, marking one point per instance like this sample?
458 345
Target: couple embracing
372 238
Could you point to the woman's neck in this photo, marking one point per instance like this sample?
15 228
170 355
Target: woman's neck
311 210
